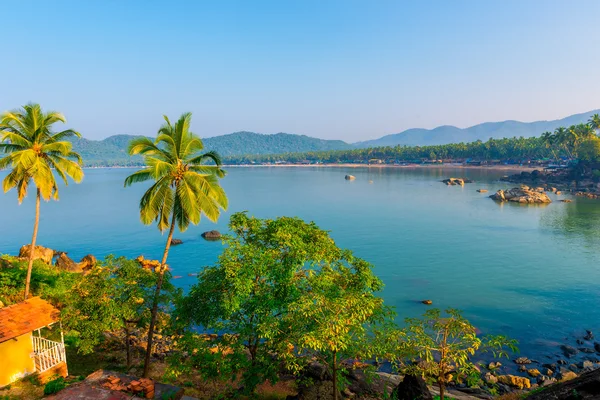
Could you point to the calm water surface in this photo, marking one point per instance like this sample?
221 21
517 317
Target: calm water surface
530 272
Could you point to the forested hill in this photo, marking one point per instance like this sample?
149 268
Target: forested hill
112 151
489 130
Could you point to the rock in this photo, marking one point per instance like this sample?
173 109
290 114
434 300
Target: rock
545 380
586 350
39 253
568 351
482 190
490 378
586 364
211 235
561 362
349 177
522 368
522 361
586 386
316 371
456 181
176 242
521 195
515 381
88 262
588 335
568 375
320 390
597 347
558 192
66 264
534 373
566 201
494 365
412 388
365 385
427 302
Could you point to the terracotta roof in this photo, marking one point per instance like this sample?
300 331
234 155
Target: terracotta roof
27 316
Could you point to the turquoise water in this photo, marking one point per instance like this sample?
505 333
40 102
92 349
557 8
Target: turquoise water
530 272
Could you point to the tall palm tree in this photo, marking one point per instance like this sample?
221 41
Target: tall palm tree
184 188
594 122
34 152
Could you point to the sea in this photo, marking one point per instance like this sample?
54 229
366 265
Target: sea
531 272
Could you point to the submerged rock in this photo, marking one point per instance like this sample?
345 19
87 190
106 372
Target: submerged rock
482 190
522 360
349 177
521 195
568 351
175 242
427 302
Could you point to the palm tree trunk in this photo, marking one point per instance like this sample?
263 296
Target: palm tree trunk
156 298
33 239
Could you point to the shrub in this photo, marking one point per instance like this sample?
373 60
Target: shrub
55 386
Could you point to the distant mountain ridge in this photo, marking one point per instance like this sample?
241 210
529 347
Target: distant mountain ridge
497 130
112 151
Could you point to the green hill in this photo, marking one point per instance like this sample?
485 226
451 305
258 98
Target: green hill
112 151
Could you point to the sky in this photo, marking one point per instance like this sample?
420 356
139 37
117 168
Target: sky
350 70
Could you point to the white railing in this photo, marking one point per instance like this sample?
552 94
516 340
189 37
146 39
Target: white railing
47 353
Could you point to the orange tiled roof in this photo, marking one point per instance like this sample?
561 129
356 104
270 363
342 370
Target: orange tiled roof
27 316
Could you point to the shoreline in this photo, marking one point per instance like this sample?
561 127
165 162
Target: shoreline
380 166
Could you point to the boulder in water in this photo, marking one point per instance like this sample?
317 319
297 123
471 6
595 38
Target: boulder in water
522 195
349 177
457 181
212 235
39 253
175 242
482 190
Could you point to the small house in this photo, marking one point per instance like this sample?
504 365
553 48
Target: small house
23 350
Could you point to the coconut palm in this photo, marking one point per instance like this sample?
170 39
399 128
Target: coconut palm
594 122
184 188
35 153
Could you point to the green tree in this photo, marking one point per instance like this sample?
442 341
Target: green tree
594 122
184 188
115 295
34 152
338 317
444 344
276 287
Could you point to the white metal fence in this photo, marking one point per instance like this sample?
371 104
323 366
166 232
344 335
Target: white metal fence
47 353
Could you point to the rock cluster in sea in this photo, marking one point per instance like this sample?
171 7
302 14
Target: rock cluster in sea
523 194
457 181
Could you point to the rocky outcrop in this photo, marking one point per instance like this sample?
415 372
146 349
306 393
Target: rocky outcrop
515 381
457 181
150 264
65 263
586 386
39 253
412 388
522 194
88 262
212 235
349 177
176 242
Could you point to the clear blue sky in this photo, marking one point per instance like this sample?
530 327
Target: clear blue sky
350 70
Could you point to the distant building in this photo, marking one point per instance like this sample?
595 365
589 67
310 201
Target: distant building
23 351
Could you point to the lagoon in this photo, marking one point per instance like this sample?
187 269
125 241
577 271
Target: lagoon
527 271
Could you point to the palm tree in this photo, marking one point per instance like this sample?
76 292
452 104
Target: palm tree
184 188
34 152
594 122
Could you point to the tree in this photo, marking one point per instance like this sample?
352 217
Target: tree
594 122
276 288
35 152
184 188
115 295
338 315
443 345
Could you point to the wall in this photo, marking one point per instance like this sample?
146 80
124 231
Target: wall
16 359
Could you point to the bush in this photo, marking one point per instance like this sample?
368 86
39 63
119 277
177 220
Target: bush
55 386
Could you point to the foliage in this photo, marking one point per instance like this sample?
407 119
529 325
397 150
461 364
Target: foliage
184 189
115 295
440 346
276 286
589 150
34 151
46 280
55 386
